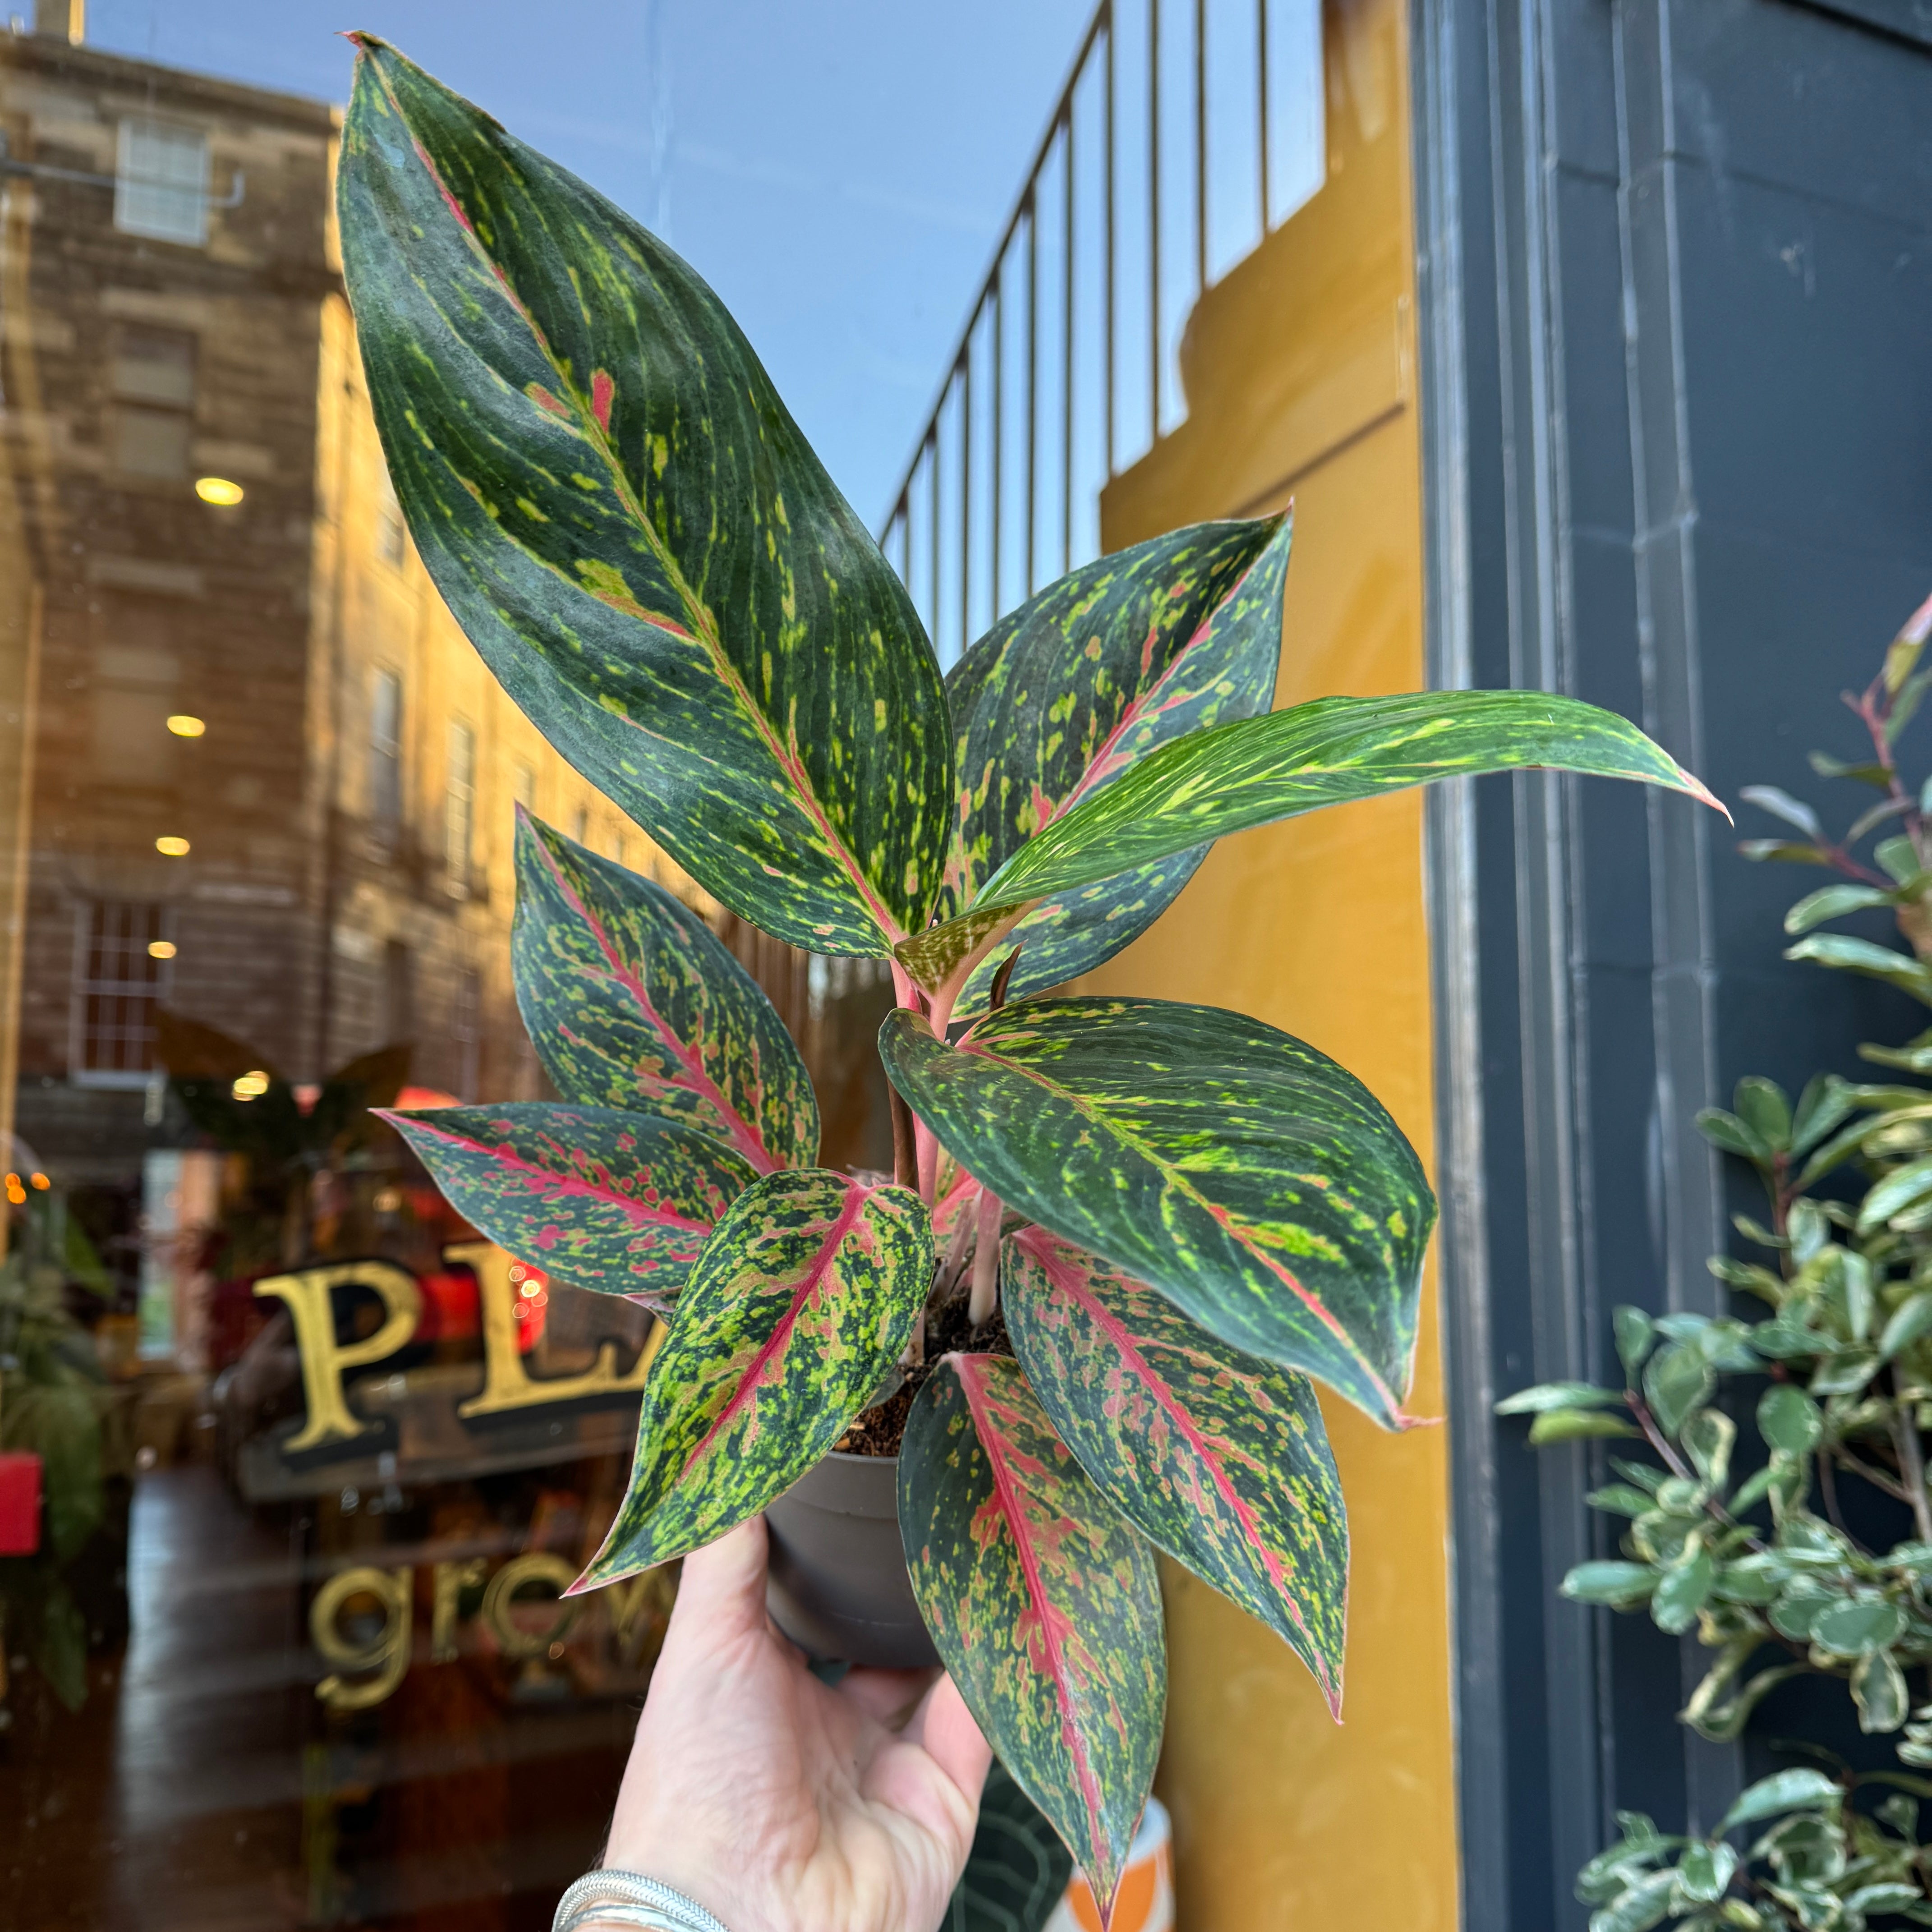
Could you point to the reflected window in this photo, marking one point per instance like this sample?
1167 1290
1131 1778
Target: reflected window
466 1032
120 963
153 382
523 786
392 534
385 750
399 1018
160 182
460 805
136 689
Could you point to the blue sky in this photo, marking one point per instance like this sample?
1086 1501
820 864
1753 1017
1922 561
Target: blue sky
838 169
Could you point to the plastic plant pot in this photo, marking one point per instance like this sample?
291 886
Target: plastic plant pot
838 1587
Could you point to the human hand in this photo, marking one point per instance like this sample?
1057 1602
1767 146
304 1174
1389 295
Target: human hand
780 1804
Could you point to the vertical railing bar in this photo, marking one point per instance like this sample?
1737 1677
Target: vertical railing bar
1066 362
1033 380
932 472
966 497
1201 146
1153 217
1108 136
904 515
999 429
1261 71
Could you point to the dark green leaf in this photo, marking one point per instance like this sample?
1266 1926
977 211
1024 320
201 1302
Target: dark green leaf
1861 956
1621 1586
1573 1425
796 1312
1845 1374
1832 902
1705 1870
1788 1419
1878 1688
1801 1789
1261 1188
617 1202
1789 850
1066 693
630 1002
1762 1106
1856 1624
1634 1334
1781 804
1825 1101
1900 1190
1827 766
1682 1591
1257 770
1219 1457
1734 1136
611 498
60 1644
1646 1904
1559 1395
1042 1600
1676 1381
1910 1322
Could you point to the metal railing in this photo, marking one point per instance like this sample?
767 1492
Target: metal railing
1185 132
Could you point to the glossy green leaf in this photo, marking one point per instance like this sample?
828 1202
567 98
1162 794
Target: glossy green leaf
1559 1395
1682 1591
1676 1381
613 500
1259 1186
1799 1789
620 1203
1218 1457
631 1002
1832 902
1635 1332
1256 770
1620 1586
1788 1419
796 1312
1066 693
1576 1425
1857 1624
1862 956
1879 1689
1042 1600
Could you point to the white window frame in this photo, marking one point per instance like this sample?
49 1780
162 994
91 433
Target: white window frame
161 181
385 749
459 819
154 989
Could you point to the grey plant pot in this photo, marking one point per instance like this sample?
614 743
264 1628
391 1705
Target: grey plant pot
838 1587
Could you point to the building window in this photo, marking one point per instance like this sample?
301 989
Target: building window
399 1016
459 822
385 750
160 182
153 380
120 971
392 534
465 1031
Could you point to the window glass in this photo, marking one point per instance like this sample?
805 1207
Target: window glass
161 181
386 748
460 809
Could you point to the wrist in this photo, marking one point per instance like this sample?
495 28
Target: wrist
609 1900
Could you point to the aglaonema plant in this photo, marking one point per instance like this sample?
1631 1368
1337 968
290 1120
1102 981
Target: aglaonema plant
1180 1214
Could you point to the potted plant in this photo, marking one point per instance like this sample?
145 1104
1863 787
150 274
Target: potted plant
1121 1234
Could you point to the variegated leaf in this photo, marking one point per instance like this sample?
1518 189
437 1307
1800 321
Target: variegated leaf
1042 1600
1064 694
1254 771
612 499
1220 1458
621 1203
797 1309
631 1002
1259 1186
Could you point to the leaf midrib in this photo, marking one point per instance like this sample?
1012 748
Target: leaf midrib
704 631
1172 1177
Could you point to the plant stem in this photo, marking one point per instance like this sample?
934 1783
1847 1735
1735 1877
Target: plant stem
905 1146
985 1297
1912 1467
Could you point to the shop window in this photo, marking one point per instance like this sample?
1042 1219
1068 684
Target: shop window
160 182
385 750
391 533
152 378
460 805
136 689
120 977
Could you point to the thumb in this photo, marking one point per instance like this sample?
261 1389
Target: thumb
951 1738
721 1591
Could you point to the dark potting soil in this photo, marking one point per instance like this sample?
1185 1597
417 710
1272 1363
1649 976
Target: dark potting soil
879 1430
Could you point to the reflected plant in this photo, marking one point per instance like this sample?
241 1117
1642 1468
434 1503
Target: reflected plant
1147 1224
1765 1565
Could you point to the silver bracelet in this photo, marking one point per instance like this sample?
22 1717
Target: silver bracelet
629 1898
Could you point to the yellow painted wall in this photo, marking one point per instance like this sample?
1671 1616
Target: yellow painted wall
1298 368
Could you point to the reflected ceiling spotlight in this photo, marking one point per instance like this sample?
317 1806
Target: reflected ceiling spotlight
172 848
183 726
251 1086
160 949
219 490
40 1181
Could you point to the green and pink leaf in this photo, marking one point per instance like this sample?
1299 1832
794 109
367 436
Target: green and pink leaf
1043 1601
619 1203
1217 1456
795 1313
631 1002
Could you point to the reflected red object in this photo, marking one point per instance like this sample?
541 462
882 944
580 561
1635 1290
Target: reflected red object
531 1307
449 1306
20 1503
411 1097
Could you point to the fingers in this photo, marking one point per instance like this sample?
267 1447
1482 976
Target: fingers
888 1697
721 1592
952 1739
